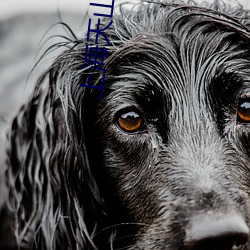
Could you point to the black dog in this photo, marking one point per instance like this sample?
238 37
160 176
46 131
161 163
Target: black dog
161 162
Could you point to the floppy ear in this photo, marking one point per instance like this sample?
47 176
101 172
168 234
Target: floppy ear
51 187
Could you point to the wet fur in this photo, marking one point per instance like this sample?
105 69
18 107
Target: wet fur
78 182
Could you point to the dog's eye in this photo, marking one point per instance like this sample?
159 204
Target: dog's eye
243 113
130 121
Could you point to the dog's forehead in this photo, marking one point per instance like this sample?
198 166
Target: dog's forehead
186 67
184 55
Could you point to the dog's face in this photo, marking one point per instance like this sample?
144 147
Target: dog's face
161 162
174 131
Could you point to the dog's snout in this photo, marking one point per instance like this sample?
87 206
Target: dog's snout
217 232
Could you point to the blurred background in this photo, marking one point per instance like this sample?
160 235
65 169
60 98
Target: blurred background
25 26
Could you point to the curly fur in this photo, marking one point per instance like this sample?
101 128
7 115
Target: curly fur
76 181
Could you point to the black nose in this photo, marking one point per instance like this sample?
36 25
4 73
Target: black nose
217 232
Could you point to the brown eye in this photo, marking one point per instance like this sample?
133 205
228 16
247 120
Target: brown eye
130 121
243 113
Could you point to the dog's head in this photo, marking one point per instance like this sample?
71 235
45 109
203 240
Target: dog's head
163 159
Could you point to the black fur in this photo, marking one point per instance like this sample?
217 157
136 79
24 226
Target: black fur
77 181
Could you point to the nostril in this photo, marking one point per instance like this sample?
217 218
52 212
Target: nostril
217 232
240 242
223 242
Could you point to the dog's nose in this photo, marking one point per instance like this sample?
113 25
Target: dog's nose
217 232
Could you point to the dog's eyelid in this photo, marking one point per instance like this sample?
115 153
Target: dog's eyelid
123 110
244 95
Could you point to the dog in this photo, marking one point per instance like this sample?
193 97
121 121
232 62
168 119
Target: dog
161 161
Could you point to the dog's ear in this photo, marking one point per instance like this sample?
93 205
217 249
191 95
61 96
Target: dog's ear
52 191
